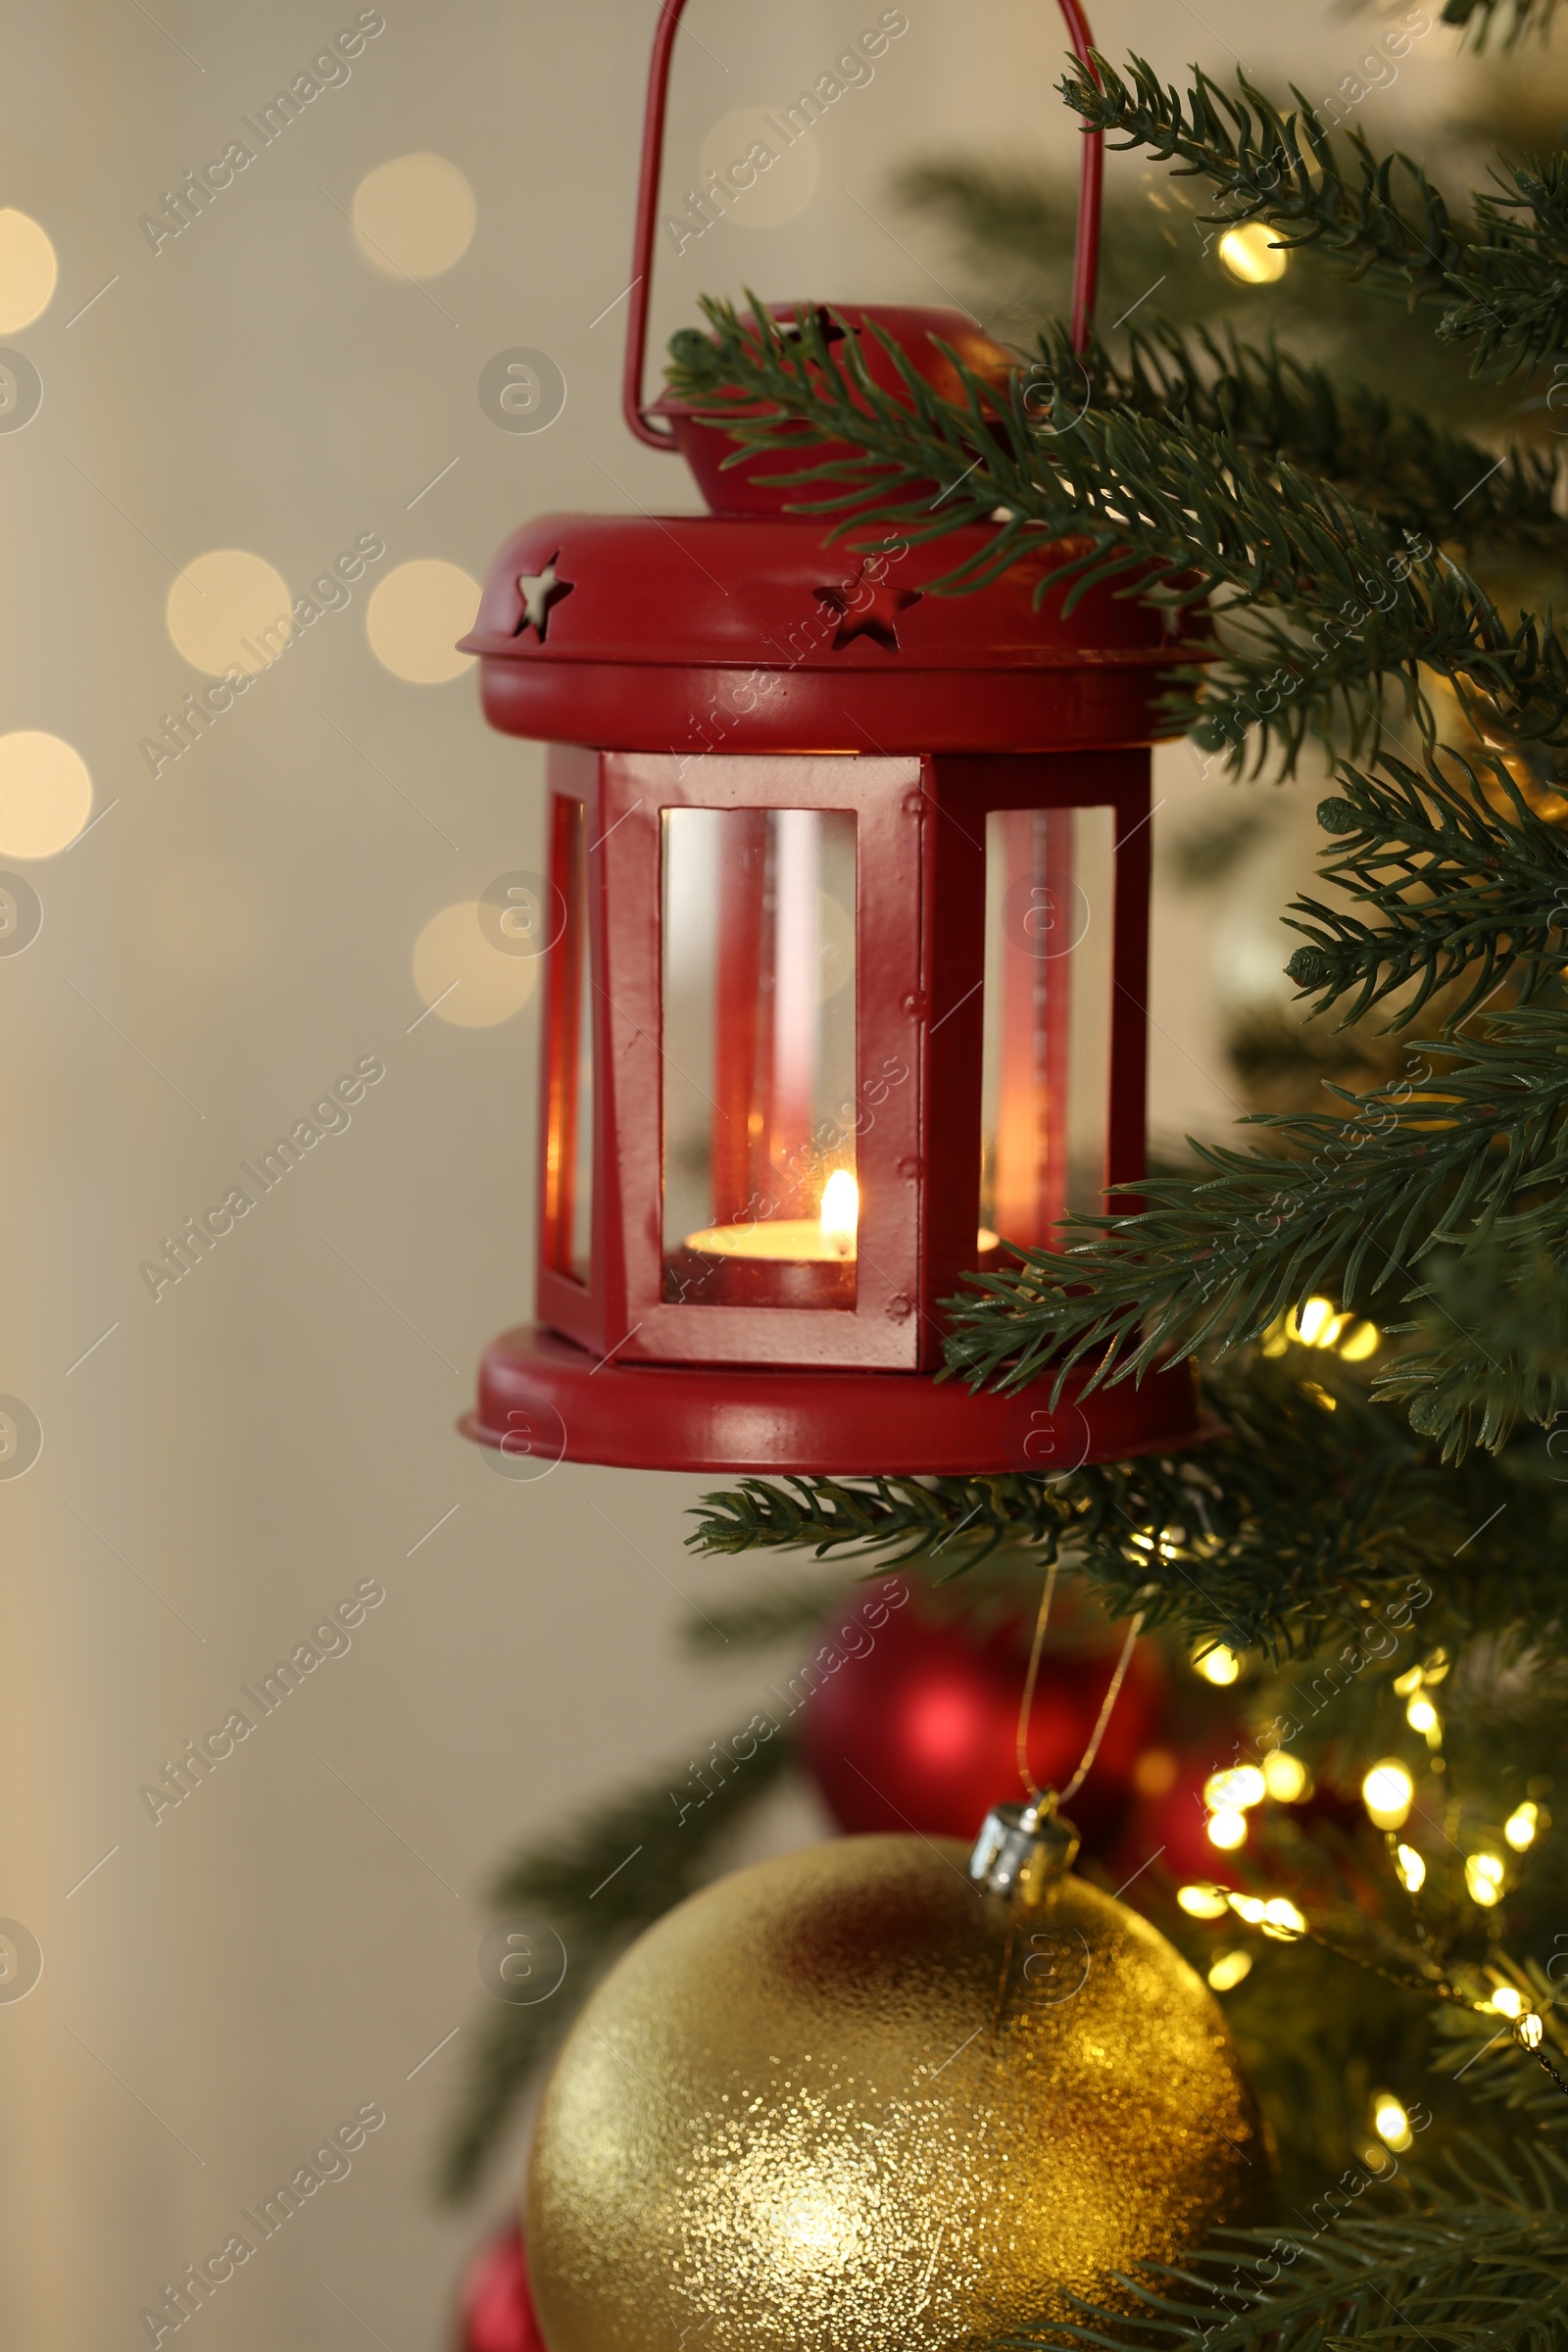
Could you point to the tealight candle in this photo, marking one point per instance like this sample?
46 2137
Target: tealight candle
786 1261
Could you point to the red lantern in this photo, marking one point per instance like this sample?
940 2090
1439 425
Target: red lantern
848 929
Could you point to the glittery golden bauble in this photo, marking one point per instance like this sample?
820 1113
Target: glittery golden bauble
847 2099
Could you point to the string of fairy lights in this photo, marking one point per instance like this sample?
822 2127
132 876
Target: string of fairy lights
1233 1793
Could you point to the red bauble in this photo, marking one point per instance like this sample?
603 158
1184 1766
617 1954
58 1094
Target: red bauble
496 2309
920 1731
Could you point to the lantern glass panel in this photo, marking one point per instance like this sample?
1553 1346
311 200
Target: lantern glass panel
1045 1083
582 1183
569 1135
760 1205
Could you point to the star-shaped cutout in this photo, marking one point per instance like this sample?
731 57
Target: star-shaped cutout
541 592
869 608
827 327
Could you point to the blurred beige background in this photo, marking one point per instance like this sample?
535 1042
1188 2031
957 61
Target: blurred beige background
220 1468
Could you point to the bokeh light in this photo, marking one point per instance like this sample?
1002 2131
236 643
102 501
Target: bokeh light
1281 1920
1318 1324
1235 1790
415 216
45 794
1388 1792
1521 1826
463 978
415 617
1391 2123
229 609
28 271
1155 1772
1286 1778
1218 1665
779 190
1227 1969
1251 256
1483 1877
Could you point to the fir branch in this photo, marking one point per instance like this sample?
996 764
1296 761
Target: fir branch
1472 1158
1504 281
1461 885
1336 601
761 1620
1490 2267
1383 217
1524 17
1497 2068
910 1518
617 1871
1516 306
1382 455
1479 1154
1294 1528
1011 209
1216 1262
1464 1394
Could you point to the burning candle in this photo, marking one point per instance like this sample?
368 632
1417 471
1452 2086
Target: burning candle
778 1261
785 1261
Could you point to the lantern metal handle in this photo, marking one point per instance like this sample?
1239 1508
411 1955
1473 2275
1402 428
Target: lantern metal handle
1086 254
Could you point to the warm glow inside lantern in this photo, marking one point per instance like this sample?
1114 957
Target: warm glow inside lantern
846 976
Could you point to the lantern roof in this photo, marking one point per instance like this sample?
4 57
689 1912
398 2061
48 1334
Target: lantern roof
757 632
927 340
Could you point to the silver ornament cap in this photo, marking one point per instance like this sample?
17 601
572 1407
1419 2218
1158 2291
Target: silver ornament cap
1023 1849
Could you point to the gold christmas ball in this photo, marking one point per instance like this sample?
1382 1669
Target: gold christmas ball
849 2098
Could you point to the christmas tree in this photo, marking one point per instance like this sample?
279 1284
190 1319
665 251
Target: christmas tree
1367 1542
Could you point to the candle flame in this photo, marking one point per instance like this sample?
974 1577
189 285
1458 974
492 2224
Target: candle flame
840 1210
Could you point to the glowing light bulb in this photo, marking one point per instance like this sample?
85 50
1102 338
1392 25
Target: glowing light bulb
1521 1826
1235 1790
1412 1869
1389 2121
1363 1342
1251 256
1508 2001
1530 2031
1285 1778
1228 1968
1421 1715
1248 1907
841 1211
1312 1322
1281 1920
1388 1792
1203 1901
1227 1829
1483 1877
1218 1665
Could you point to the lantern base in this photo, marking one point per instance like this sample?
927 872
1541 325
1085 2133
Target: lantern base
544 1401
